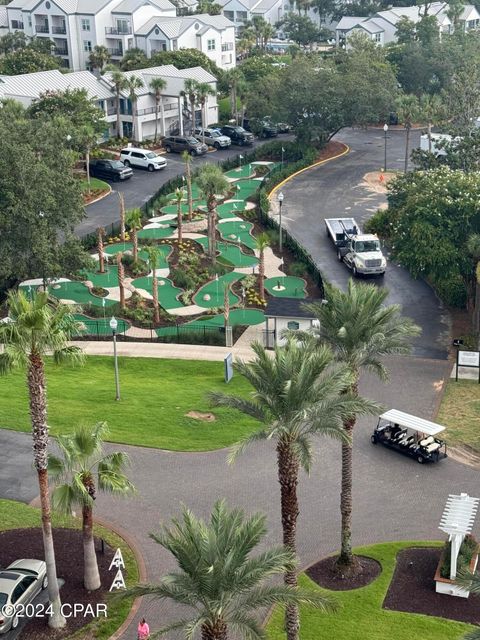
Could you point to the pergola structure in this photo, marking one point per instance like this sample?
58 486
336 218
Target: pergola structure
457 521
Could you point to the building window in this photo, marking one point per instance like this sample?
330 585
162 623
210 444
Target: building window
293 325
87 45
85 24
174 45
29 19
378 37
227 46
211 45
229 14
241 16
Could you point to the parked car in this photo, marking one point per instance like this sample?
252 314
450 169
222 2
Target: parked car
143 158
178 144
282 127
213 138
263 128
110 169
237 135
20 583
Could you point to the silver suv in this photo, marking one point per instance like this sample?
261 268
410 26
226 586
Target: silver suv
213 138
136 157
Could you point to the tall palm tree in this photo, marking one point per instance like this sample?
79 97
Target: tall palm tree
220 580
204 89
131 85
296 396
99 57
121 279
190 90
157 85
179 197
101 255
408 111
433 113
262 241
81 468
243 93
213 184
119 81
233 77
153 254
121 202
133 218
37 329
473 248
187 158
361 331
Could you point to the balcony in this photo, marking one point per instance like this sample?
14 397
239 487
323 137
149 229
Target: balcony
115 31
145 112
60 30
61 51
118 53
227 46
42 28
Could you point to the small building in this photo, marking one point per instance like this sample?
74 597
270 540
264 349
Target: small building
286 313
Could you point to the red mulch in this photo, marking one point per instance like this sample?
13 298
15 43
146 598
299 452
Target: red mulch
412 589
28 543
326 574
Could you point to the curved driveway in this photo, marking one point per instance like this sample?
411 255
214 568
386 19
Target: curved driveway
394 497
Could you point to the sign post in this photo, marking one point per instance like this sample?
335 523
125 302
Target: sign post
468 359
228 362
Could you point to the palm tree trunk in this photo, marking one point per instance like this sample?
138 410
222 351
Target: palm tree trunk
134 109
156 310
218 631
192 107
429 135
38 414
407 145
180 223
87 164
117 106
101 257
288 467
212 218
202 105
91 576
476 308
121 278
261 274
121 199
157 101
135 243
189 190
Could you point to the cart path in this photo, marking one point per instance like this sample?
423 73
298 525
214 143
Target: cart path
394 496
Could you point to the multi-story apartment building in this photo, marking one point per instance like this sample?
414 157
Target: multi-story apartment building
75 27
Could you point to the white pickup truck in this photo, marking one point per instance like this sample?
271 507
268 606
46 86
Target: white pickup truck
360 252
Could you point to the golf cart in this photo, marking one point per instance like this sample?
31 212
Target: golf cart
412 436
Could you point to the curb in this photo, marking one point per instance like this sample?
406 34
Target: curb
312 166
107 193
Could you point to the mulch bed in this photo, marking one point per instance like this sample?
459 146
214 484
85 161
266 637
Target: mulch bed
28 543
412 589
325 574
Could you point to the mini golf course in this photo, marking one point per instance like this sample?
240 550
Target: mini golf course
286 287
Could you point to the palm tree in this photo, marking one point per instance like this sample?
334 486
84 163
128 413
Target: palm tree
213 184
361 331
119 81
121 201
133 218
233 77
408 111
433 112
262 241
187 158
204 89
153 254
121 279
101 256
471 582
243 92
157 85
190 90
296 396
78 471
218 577
37 329
131 85
179 197
99 57
473 248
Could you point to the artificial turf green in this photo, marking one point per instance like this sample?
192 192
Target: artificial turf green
155 396
155 233
167 292
235 229
230 209
361 616
79 293
99 326
294 287
242 171
236 317
215 289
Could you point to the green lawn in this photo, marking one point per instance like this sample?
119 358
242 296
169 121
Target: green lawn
460 413
155 395
95 184
361 616
16 515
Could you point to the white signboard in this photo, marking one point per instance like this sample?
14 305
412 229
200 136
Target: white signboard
468 358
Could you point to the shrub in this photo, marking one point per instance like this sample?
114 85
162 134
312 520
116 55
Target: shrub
465 555
452 291
297 269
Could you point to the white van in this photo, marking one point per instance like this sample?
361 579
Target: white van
136 157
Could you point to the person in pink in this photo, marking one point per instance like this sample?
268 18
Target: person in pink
143 630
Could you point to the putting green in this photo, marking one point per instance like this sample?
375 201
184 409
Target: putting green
231 231
172 208
99 326
214 289
236 317
79 293
230 209
246 188
245 171
106 280
291 287
232 254
196 193
167 291
117 247
156 233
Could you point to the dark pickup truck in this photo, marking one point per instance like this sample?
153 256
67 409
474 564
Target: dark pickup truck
110 170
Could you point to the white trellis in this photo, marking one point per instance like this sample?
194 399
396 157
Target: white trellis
457 521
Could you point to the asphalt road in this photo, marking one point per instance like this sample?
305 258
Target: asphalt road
337 189
143 185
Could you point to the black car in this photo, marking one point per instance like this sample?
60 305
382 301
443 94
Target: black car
184 143
110 169
263 128
237 135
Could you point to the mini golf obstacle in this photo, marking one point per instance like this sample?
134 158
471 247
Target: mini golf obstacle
286 287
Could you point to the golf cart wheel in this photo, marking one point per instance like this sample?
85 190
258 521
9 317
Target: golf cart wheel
15 622
45 582
420 459
373 439
339 255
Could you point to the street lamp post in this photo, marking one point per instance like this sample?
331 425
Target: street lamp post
280 202
385 130
113 327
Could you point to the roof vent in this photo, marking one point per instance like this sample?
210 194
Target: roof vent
196 26
157 31
47 5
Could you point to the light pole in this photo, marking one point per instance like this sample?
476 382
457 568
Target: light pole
280 202
385 131
113 327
